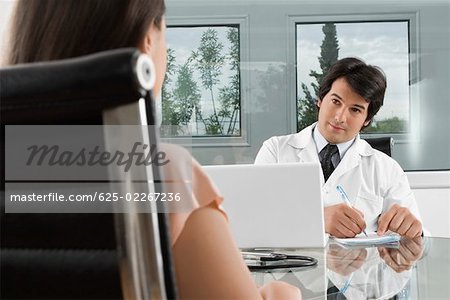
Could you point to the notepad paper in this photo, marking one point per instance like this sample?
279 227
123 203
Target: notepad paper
370 239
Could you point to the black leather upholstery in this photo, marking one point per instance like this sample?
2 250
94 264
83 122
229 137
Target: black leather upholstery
69 91
64 256
60 274
383 144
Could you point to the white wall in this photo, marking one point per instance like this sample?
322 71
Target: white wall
432 191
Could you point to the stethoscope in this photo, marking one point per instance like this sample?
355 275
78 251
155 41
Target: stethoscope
273 260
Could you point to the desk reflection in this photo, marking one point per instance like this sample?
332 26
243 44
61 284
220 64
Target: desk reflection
372 273
353 273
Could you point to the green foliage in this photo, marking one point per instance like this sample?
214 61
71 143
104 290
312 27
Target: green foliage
179 104
229 95
391 125
169 115
211 126
209 58
307 109
186 94
329 51
209 61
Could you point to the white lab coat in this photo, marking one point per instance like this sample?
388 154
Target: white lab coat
372 180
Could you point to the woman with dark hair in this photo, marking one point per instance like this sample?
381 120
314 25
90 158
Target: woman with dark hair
45 30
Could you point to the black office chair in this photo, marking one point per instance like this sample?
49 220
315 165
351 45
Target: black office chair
383 144
84 255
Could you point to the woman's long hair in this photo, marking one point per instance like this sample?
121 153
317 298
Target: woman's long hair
44 30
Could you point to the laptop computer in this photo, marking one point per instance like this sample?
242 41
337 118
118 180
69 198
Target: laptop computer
273 205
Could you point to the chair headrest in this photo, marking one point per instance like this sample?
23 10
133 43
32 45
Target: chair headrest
83 84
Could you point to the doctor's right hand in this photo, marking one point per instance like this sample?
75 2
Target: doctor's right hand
343 221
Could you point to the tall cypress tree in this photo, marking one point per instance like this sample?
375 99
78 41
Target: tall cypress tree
329 51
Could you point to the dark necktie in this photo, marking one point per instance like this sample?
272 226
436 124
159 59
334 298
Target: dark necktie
327 165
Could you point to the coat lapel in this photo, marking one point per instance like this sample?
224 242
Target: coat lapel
352 158
304 145
306 150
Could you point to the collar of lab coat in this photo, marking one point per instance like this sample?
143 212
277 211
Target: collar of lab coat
307 151
304 141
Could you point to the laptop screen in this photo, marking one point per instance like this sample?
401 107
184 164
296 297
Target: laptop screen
273 205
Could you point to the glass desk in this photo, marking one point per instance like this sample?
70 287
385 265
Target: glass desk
413 269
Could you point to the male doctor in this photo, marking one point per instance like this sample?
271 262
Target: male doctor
381 199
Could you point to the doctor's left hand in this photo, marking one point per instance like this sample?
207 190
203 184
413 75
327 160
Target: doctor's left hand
399 219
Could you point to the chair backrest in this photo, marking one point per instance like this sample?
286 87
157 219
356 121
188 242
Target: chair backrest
84 255
383 144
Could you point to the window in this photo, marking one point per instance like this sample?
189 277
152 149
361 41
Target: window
380 43
201 92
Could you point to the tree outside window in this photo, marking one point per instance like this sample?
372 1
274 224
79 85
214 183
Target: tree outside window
201 92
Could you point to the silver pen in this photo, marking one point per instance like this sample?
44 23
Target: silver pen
345 198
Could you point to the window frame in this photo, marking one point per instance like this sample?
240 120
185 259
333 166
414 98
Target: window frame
241 22
413 135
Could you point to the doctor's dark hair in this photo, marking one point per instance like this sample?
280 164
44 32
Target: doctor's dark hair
44 30
367 81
